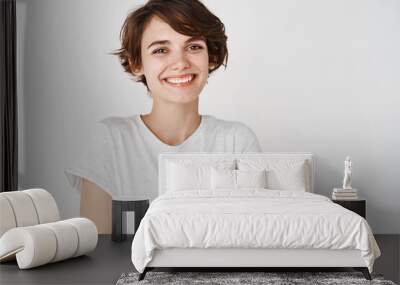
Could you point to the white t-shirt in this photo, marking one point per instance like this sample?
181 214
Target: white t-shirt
122 158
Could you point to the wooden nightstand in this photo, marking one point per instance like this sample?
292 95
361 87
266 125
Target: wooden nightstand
357 206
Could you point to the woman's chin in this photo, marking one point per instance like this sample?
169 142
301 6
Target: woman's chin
181 98
185 100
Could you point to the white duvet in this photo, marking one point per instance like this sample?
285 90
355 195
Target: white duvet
250 218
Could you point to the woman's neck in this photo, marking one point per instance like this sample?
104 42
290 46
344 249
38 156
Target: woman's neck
173 123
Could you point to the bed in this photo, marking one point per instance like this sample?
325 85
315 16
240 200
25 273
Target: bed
245 211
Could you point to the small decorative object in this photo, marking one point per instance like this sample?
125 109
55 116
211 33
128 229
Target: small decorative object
346 192
347 173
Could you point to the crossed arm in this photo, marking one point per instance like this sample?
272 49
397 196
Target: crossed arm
96 206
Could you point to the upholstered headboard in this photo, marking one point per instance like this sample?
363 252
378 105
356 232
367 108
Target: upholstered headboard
237 158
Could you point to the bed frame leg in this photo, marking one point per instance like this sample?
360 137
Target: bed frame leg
364 271
143 274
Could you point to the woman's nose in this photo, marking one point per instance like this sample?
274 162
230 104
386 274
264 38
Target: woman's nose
180 61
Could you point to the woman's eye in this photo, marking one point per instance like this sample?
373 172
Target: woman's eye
164 50
195 47
160 50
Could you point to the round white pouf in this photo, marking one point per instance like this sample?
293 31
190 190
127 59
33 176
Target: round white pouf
45 205
7 216
41 244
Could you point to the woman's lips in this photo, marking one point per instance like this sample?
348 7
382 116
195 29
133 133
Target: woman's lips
180 81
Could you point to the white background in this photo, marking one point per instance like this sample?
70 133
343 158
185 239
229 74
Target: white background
311 75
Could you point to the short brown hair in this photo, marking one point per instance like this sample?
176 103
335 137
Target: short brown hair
187 17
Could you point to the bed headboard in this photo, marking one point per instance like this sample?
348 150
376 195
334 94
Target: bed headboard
164 158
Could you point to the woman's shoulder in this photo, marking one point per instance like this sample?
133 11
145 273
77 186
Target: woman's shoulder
115 125
243 137
221 125
118 121
121 123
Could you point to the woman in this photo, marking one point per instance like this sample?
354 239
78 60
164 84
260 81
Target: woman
171 46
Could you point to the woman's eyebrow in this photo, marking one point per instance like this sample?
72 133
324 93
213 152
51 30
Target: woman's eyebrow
166 42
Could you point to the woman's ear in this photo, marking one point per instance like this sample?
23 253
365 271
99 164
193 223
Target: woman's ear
211 66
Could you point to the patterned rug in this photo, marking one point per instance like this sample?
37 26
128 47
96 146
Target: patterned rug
243 278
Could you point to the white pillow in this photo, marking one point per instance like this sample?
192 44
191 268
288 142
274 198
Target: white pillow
186 174
183 177
251 178
237 179
223 179
282 174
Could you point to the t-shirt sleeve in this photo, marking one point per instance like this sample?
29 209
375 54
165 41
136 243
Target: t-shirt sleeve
96 162
246 140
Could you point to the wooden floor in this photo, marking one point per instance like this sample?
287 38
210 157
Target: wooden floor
110 260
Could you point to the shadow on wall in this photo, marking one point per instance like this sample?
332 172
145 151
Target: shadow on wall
21 32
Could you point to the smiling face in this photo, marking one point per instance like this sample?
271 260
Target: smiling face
175 66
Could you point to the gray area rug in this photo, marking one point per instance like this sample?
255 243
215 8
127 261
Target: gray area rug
229 278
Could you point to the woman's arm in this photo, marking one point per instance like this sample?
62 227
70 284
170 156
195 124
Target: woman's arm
96 206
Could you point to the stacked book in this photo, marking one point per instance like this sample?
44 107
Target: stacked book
344 194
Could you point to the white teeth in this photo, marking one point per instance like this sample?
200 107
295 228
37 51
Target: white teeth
176 80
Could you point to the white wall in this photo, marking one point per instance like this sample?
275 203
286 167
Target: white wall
312 75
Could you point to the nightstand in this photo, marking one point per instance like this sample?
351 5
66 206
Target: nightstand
126 204
357 206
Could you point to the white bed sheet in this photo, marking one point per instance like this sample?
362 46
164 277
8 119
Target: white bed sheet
250 218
